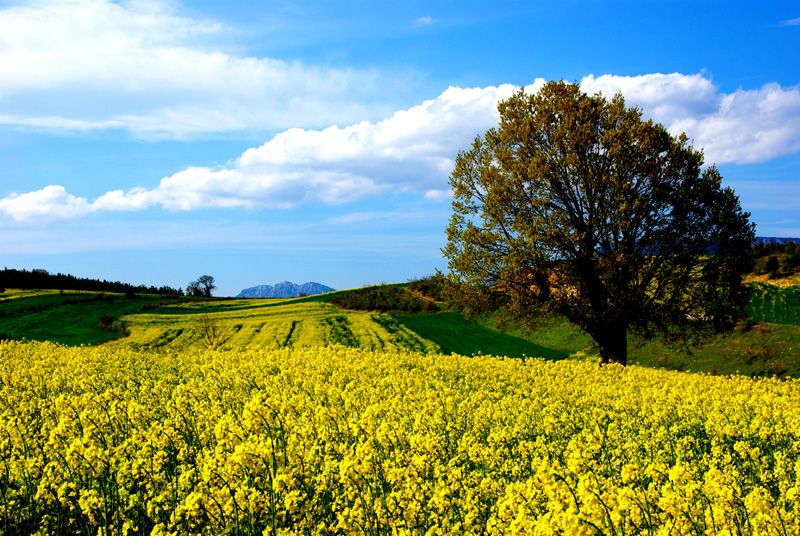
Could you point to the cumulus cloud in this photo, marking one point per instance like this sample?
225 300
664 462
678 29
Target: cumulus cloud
746 126
664 97
49 203
143 67
413 149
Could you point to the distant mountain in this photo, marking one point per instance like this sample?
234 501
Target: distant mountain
775 240
286 289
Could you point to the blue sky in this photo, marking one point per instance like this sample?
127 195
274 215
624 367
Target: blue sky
152 141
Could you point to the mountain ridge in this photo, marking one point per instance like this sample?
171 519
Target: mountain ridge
284 289
775 240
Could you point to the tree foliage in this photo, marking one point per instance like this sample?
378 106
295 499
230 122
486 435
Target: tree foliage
202 287
575 205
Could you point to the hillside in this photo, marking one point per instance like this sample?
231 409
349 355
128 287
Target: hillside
385 317
247 323
71 317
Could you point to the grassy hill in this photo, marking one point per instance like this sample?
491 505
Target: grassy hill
274 323
768 345
70 317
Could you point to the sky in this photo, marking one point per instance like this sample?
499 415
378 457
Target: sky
154 141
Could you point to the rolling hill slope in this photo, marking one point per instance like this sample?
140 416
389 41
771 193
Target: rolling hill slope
768 345
267 324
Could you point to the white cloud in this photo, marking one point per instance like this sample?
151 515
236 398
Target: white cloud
438 194
413 149
749 126
424 21
49 203
740 127
664 97
143 67
791 22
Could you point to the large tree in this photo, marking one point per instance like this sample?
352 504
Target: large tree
575 205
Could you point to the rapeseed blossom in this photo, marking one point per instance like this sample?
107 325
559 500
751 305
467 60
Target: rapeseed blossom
340 440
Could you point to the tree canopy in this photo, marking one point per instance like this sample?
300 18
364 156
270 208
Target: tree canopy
203 286
576 205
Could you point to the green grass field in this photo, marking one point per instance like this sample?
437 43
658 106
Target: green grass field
770 346
68 317
774 304
455 334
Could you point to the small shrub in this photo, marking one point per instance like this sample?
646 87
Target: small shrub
777 368
431 286
212 331
106 322
772 266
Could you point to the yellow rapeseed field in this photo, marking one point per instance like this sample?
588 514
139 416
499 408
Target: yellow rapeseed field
339 441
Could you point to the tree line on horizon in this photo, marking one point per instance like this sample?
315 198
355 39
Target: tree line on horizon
42 279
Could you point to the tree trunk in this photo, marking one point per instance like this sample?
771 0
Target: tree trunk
613 342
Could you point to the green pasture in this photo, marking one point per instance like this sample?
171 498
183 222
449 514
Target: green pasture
769 345
769 303
455 334
68 317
